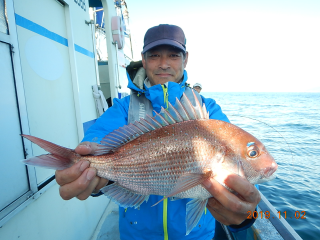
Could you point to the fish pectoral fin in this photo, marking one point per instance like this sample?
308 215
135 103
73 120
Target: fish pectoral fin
123 196
186 182
195 209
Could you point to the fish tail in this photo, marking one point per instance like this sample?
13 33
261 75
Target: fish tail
59 158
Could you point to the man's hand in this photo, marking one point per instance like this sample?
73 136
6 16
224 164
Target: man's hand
228 208
80 180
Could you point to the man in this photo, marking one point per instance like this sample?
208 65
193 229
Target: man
197 87
164 58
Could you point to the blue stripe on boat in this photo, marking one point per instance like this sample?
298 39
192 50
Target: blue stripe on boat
36 28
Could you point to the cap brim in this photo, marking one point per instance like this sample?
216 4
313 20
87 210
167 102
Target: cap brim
164 42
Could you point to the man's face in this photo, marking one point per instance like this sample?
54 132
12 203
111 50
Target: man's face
198 89
164 64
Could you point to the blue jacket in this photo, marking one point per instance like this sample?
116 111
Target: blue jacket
167 219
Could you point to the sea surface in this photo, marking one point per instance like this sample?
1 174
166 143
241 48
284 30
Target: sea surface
289 126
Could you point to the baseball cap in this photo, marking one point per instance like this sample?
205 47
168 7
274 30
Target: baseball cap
197 85
164 34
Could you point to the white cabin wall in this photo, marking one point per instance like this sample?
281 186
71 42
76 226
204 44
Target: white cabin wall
51 218
82 36
47 77
10 140
51 110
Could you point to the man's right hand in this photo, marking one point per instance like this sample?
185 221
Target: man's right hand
80 180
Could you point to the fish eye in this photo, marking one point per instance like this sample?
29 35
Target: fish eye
253 151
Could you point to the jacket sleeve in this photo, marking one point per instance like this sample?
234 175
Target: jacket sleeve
115 117
214 109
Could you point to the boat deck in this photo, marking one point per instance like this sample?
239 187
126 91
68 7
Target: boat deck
108 228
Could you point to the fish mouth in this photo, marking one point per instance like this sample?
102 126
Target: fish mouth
267 174
269 171
266 179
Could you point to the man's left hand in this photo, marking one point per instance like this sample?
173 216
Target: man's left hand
228 208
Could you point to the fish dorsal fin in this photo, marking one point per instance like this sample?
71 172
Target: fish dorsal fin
182 110
198 107
189 107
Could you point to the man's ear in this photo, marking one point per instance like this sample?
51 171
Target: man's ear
186 60
143 61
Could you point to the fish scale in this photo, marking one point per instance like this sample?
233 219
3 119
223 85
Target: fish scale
168 158
141 168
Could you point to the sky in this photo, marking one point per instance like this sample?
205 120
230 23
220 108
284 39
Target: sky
240 45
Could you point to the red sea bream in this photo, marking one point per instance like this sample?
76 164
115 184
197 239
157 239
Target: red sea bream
170 155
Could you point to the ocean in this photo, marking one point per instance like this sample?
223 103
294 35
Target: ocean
289 126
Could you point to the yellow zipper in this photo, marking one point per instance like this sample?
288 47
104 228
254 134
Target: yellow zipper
165 95
165 219
165 202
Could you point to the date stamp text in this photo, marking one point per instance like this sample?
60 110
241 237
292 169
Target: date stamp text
266 215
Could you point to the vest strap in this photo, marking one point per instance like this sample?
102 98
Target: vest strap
140 106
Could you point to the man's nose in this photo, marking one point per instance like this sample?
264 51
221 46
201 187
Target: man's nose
164 62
